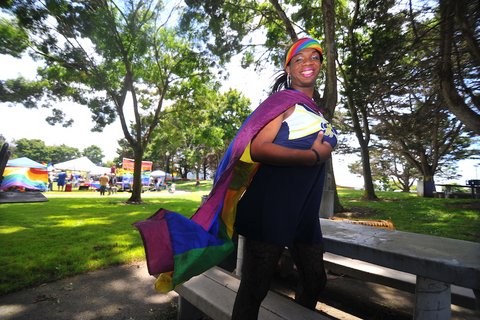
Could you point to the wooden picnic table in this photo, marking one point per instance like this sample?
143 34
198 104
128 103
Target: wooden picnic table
474 189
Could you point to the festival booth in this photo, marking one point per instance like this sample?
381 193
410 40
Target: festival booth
24 174
81 169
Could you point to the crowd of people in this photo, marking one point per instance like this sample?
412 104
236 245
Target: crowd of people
107 183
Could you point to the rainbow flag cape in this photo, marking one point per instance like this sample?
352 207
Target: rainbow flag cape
178 248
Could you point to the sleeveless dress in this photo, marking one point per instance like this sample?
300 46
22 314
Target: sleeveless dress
281 205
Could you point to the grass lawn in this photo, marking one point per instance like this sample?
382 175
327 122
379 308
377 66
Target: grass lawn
450 218
75 232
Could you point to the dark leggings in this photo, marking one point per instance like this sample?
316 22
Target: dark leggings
259 265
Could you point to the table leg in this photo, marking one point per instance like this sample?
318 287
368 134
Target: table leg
432 300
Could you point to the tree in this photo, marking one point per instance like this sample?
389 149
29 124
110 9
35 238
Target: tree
36 150
62 153
197 130
409 117
367 69
231 23
460 60
94 153
388 170
425 134
121 59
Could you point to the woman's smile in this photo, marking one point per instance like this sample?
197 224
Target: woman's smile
307 72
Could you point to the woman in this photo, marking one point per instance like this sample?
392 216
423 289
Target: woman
280 207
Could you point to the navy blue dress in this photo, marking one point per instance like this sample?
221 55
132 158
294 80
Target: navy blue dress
281 205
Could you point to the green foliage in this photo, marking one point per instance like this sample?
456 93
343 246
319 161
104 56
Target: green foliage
99 53
233 26
62 153
94 153
36 150
198 127
22 91
13 40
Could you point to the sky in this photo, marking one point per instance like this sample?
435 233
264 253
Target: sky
18 122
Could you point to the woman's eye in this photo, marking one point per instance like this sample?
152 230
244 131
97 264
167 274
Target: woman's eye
298 59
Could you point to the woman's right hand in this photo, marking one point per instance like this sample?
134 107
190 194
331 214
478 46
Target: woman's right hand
323 148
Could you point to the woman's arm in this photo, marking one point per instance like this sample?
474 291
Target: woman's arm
263 149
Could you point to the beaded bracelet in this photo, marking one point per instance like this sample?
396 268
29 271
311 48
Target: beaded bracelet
316 155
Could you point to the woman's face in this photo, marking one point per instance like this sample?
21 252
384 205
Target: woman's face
304 68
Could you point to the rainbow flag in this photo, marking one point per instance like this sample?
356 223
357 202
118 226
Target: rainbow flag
178 248
23 177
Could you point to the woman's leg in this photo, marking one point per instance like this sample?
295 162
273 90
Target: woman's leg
312 276
259 264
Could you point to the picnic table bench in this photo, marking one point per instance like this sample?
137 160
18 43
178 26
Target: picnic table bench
474 186
436 263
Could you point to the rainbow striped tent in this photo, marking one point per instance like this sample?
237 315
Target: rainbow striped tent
25 173
178 248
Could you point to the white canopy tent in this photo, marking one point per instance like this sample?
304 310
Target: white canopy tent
158 174
82 164
99 171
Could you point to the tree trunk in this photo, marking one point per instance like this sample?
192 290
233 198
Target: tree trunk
331 91
428 186
361 132
136 196
369 192
286 21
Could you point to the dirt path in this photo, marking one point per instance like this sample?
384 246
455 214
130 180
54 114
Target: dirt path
122 292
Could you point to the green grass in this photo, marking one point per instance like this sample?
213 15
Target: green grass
76 232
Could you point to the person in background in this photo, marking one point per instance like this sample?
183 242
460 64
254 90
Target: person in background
112 184
50 182
61 180
103 180
280 207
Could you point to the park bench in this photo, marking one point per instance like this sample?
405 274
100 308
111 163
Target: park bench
213 293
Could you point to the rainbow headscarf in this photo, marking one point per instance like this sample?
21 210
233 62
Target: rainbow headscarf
301 44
